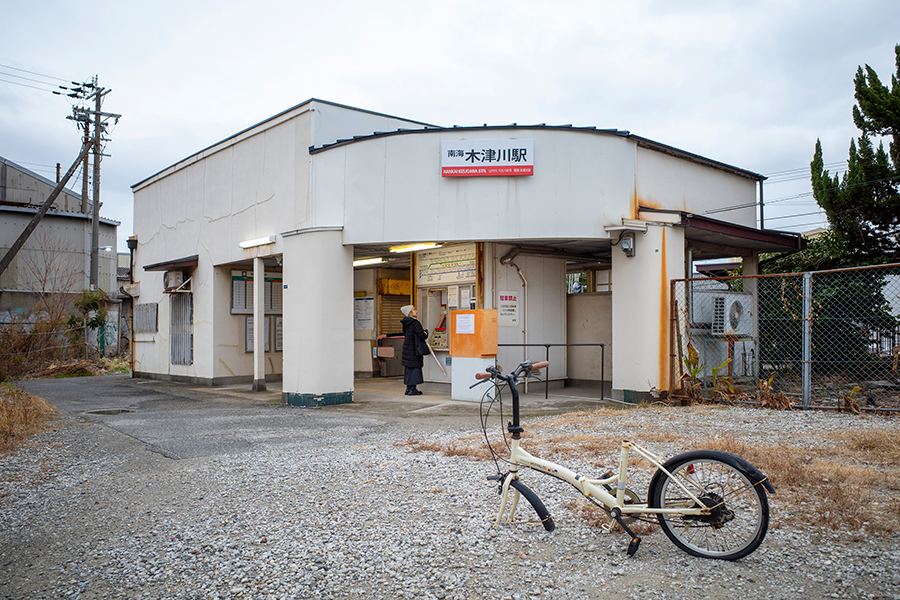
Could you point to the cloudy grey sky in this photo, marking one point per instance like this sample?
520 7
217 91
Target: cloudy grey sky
749 83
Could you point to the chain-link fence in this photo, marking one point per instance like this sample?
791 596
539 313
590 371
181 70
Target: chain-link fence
829 338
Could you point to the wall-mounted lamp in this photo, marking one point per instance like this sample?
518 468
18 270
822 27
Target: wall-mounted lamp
627 243
415 247
258 242
364 262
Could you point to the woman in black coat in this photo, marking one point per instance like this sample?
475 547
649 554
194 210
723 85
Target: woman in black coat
413 337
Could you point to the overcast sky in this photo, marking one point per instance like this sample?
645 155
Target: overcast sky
749 83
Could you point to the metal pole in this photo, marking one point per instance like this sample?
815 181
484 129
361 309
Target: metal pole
547 377
602 370
762 222
807 335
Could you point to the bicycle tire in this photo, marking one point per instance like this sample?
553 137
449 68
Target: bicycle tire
740 520
541 510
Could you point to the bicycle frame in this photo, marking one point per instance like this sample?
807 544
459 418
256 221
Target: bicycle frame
590 488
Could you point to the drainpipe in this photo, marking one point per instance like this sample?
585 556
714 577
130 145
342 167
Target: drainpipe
524 314
132 246
507 259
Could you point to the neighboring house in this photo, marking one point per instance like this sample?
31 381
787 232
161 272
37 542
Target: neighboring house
56 257
250 253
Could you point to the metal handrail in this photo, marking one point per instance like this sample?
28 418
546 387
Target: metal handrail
547 358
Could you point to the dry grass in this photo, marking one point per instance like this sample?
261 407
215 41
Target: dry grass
21 415
851 482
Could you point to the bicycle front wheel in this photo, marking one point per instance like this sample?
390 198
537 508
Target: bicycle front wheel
739 517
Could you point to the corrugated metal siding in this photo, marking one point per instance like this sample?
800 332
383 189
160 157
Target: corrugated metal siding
390 314
182 328
145 317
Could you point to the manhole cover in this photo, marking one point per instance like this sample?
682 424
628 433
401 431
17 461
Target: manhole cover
110 411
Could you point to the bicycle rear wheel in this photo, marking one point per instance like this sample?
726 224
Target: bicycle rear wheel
740 516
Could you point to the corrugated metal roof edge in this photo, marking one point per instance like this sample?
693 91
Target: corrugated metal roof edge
40 178
641 142
267 120
58 213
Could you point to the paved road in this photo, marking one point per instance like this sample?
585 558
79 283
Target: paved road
186 421
180 421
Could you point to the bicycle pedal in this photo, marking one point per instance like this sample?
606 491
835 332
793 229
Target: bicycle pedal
493 478
633 546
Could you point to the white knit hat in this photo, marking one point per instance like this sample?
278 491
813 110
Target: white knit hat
407 309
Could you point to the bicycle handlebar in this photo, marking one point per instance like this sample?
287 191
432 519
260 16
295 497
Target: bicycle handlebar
482 375
540 365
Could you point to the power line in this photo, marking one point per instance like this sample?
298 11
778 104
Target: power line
34 87
35 73
818 212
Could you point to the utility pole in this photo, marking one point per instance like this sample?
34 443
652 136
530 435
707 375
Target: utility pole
84 169
83 116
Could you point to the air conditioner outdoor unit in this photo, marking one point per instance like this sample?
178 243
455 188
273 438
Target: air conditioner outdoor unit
173 279
732 315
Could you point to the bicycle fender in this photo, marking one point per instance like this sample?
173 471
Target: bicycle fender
754 474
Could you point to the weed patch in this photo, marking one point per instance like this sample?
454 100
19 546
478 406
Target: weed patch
21 416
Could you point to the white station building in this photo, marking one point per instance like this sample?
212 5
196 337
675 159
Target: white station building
285 251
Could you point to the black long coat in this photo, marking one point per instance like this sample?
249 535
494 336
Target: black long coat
412 329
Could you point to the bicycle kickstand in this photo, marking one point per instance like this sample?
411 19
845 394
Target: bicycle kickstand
635 540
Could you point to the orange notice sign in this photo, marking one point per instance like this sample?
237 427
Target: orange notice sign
473 333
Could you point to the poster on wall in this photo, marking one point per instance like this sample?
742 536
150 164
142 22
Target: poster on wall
453 296
465 324
279 333
242 293
487 158
364 314
508 309
248 334
447 265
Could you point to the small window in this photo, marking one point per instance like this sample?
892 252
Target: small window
145 318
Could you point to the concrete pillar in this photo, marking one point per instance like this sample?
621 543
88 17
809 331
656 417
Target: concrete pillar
259 325
318 318
641 311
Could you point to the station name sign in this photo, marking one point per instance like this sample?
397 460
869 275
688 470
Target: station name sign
487 158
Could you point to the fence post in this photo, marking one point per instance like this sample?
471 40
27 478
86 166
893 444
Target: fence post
807 337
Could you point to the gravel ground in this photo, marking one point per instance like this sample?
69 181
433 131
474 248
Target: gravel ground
88 512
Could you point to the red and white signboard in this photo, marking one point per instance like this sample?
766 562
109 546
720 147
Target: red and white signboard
487 158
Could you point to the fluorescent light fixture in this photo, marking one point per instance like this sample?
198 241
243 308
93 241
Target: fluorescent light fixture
364 262
258 242
415 247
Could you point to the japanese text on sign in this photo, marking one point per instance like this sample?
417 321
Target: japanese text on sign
508 309
480 158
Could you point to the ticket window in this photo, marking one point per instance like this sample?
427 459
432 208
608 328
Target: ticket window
436 304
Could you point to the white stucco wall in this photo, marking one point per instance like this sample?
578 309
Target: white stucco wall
544 319
391 182
640 308
589 321
318 330
664 181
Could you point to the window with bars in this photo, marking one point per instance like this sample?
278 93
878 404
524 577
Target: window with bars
181 346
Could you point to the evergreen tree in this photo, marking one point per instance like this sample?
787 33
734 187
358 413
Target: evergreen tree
863 206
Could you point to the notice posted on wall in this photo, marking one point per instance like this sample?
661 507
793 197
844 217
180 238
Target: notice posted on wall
508 309
364 314
465 324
